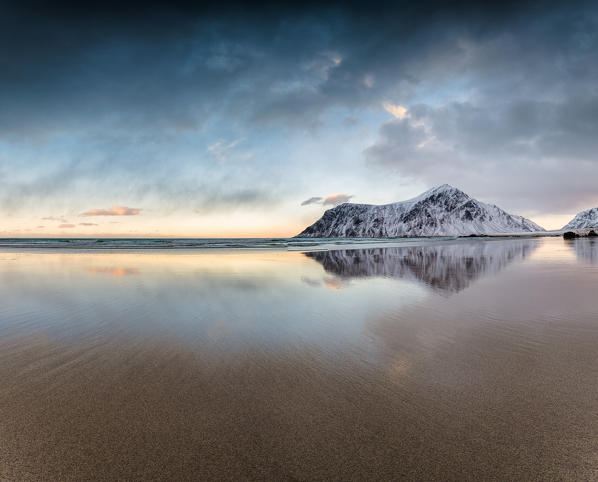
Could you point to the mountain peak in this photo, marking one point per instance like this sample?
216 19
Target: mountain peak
442 190
445 188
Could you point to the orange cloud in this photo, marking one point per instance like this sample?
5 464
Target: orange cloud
113 211
87 224
397 110
336 199
66 226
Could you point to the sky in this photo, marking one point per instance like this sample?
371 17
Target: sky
250 120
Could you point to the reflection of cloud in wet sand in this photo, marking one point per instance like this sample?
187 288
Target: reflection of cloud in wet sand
116 271
447 267
335 283
331 282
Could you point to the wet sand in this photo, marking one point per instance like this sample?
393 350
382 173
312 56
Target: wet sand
496 381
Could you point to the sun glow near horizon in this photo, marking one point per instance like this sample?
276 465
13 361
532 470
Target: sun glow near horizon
213 228
121 221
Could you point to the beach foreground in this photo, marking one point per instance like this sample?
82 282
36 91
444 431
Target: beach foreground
467 359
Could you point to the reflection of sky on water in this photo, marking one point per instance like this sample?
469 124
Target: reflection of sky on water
250 296
258 298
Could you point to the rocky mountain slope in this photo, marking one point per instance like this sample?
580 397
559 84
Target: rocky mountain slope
442 211
584 219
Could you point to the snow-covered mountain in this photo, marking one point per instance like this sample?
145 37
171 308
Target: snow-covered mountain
584 219
442 211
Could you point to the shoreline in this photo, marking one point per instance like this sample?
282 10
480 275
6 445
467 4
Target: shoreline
237 246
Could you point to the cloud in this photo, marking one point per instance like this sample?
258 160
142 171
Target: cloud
178 75
397 110
221 150
113 211
312 200
64 226
336 199
215 199
331 200
368 80
522 154
55 218
88 224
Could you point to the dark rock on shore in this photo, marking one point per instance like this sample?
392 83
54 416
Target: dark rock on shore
580 233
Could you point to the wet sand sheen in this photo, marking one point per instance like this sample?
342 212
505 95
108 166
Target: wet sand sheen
157 410
436 388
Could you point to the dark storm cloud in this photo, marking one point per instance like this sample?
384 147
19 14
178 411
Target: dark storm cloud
157 65
501 96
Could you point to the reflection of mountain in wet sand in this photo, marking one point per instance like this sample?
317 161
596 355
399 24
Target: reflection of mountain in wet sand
447 268
586 249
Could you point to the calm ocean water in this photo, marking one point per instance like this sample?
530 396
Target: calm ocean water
467 359
198 243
